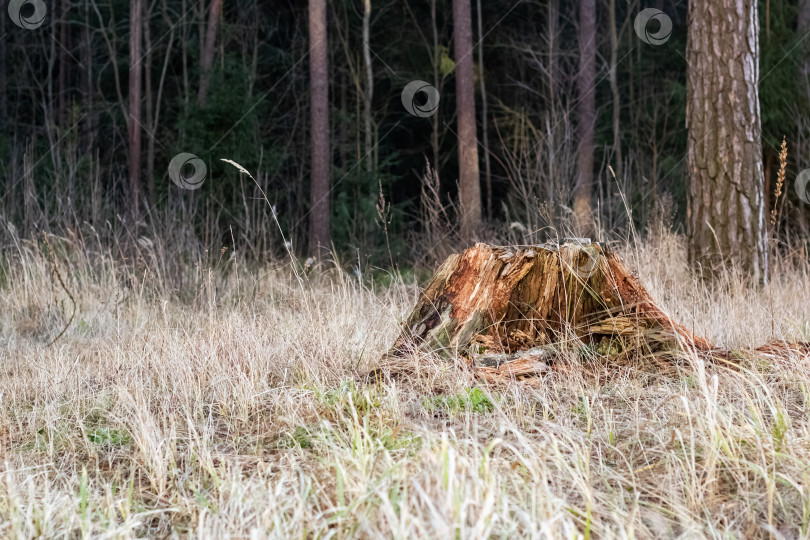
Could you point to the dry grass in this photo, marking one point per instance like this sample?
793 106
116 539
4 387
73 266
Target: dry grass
234 408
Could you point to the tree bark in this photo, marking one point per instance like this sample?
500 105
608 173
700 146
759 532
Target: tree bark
149 106
436 56
469 183
134 120
803 28
586 114
726 197
3 77
501 304
88 135
614 89
64 89
209 46
319 131
369 86
484 132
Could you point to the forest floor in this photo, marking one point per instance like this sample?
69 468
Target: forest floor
239 409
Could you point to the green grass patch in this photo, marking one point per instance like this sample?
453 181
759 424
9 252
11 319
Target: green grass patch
106 436
472 400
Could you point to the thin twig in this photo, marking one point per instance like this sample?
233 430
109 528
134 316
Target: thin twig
55 270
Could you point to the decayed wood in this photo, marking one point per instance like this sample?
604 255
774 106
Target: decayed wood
501 306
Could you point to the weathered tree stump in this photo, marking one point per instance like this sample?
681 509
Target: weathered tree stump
508 309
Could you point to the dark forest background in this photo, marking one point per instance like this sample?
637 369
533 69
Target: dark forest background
64 102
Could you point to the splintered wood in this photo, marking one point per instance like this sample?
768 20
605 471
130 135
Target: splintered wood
507 310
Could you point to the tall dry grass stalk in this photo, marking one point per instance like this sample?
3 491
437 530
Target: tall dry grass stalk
232 407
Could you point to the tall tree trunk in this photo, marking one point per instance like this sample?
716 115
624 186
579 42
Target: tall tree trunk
469 187
62 100
484 134
553 25
134 120
434 136
87 81
586 114
319 129
553 83
207 55
726 209
149 105
3 76
369 85
614 89
802 29
184 48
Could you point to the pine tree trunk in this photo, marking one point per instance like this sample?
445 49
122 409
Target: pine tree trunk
3 78
319 129
207 55
88 133
469 182
64 45
369 94
484 128
614 90
586 114
726 208
803 28
134 120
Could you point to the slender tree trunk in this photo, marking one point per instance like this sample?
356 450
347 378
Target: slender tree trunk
150 126
87 80
614 89
469 187
484 133
50 103
134 121
3 76
184 47
319 129
586 114
434 136
62 113
803 28
369 86
768 21
553 29
207 55
552 73
726 210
